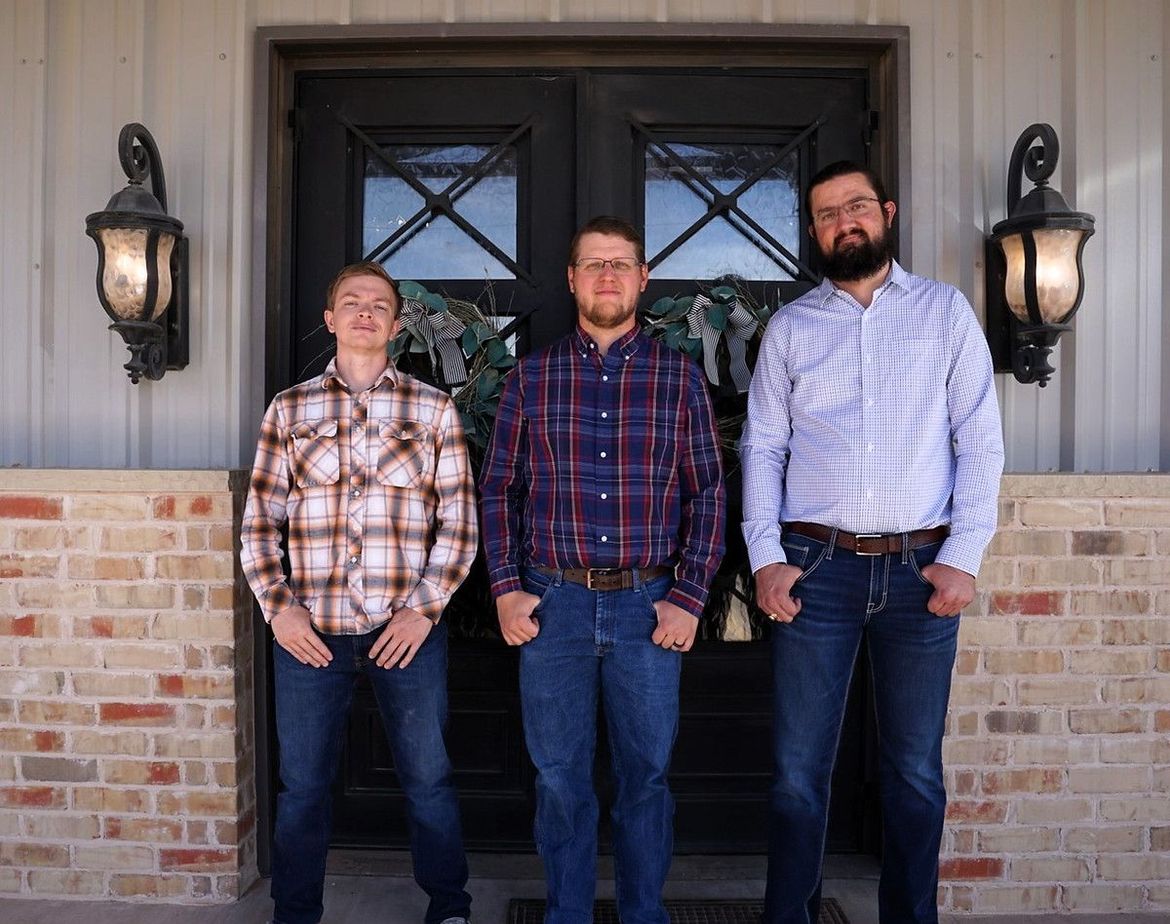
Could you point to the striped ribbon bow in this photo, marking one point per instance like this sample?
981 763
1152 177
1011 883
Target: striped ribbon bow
738 325
439 331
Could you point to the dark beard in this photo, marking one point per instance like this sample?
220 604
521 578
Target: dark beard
858 260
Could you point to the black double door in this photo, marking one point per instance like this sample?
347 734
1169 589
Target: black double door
471 184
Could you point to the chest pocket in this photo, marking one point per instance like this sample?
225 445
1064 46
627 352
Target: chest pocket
404 457
315 456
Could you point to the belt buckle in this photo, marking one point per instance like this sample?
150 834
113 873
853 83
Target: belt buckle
600 572
857 543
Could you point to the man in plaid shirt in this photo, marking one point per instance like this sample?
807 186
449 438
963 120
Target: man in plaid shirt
603 513
368 468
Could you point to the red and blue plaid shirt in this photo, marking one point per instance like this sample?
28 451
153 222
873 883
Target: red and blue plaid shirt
605 462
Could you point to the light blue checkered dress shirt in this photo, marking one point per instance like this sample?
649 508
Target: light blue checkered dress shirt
874 420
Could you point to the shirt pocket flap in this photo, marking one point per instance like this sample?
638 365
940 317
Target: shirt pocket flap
403 456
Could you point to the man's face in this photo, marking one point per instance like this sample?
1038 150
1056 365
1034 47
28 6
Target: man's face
606 299
364 314
852 246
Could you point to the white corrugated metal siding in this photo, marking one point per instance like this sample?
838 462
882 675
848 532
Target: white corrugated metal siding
73 71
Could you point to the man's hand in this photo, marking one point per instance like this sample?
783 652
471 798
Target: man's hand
676 627
401 639
294 633
774 591
953 589
517 624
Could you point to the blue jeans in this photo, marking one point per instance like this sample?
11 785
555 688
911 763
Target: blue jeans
591 643
312 709
846 599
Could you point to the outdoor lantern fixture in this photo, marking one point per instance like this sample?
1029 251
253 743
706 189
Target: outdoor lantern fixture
142 262
1034 276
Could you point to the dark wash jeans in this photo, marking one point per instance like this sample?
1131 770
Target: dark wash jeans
312 709
597 644
847 599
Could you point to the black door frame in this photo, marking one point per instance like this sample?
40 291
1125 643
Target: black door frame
283 52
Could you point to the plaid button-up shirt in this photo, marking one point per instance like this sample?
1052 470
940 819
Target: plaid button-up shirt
378 498
605 462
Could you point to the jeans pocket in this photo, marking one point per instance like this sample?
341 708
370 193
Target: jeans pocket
922 556
800 550
539 585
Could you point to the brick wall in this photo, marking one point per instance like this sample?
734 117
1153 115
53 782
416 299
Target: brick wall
1057 752
126 742
126 751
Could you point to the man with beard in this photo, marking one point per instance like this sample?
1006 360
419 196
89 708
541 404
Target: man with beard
603 511
871 455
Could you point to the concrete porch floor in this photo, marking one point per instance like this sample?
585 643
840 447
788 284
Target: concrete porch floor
375 887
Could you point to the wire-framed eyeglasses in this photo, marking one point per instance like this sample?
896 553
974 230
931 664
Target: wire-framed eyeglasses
594 266
854 208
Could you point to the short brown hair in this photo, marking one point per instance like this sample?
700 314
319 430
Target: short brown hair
844 168
362 268
609 224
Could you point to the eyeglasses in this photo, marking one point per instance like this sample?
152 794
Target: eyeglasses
593 266
854 208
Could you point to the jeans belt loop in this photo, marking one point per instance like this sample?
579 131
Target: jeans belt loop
832 543
905 548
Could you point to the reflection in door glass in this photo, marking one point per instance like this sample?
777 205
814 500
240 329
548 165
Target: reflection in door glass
434 246
676 198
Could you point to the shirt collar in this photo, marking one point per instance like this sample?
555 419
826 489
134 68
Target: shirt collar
331 375
896 277
628 344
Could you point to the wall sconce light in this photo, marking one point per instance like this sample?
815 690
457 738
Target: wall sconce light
142 262
1034 276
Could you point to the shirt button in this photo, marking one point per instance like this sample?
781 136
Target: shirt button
869 448
356 492
604 414
605 378
869 495
605 538
869 402
353 559
604 496
603 455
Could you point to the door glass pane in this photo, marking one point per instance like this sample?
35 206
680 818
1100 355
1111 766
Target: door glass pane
435 247
675 199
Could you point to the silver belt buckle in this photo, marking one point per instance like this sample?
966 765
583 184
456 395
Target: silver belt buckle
857 543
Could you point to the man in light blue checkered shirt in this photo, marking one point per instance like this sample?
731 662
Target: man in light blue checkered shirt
871 456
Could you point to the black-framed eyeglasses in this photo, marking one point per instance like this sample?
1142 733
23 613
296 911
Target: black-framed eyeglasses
854 208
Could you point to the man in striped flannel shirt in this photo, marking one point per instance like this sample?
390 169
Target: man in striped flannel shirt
368 468
603 513
871 457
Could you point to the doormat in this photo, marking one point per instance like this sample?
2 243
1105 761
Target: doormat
690 911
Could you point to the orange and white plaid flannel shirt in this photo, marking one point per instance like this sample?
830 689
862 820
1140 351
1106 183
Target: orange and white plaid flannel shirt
378 497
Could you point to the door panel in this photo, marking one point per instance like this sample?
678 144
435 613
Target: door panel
466 181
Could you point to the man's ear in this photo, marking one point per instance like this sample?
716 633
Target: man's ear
329 320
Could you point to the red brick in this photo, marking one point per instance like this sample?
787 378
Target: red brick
1028 603
164 508
202 687
96 627
977 812
1012 781
202 860
15 507
137 713
151 830
200 506
26 626
20 739
33 796
970 868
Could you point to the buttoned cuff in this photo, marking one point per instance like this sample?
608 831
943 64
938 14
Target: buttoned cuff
276 599
504 580
691 597
766 553
966 556
427 599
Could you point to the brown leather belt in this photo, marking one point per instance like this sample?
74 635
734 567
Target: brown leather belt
607 578
871 543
